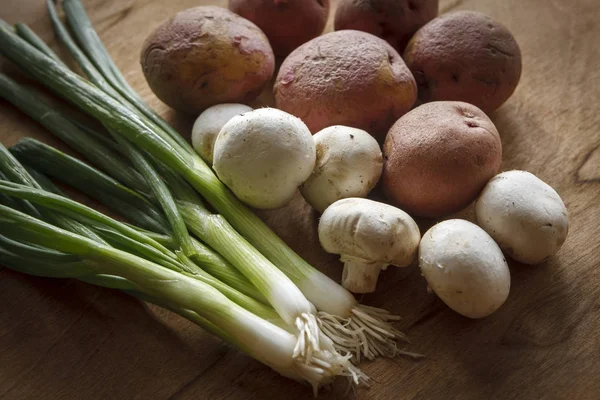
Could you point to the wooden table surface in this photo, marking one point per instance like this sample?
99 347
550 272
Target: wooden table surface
62 339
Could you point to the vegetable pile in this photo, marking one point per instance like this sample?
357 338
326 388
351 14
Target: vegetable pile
225 270
190 243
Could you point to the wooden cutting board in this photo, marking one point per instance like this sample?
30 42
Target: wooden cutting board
62 339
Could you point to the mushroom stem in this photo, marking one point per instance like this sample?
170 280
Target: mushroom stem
360 276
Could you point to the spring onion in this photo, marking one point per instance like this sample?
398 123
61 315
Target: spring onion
27 34
14 172
78 175
29 102
138 159
122 237
257 337
89 40
44 267
117 234
40 261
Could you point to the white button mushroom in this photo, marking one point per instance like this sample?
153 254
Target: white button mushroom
524 215
263 156
368 236
349 164
464 267
209 124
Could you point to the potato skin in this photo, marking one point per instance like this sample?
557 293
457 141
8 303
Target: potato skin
465 56
204 56
395 21
346 78
287 23
438 157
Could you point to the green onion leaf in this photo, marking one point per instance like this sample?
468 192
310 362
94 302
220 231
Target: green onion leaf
26 33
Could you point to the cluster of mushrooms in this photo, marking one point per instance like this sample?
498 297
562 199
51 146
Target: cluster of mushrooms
265 155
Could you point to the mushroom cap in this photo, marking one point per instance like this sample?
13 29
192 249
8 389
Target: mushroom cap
464 267
370 231
524 215
263 156
349 164
208 125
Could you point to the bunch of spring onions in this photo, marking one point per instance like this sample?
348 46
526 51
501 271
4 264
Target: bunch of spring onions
154 177
41 236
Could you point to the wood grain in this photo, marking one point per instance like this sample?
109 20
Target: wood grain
62 339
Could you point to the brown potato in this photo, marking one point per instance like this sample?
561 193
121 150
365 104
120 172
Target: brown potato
465 56
205 56
438 157
392 20
346 78
287 23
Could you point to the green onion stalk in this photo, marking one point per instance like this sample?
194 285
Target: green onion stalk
121 200
78 270
352 327
27 34
121 236
66 130
136 157
260 339
88 38
41 192
47 265
106 190
13 171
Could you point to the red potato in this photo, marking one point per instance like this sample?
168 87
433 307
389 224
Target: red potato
287 23
205 56
346 78
465 56
438 158
392 20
